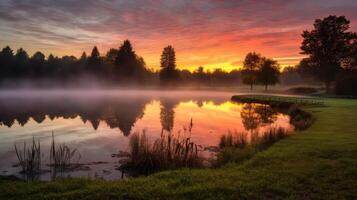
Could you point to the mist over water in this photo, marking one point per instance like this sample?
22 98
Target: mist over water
99 122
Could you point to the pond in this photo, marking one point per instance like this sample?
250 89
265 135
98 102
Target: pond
98 124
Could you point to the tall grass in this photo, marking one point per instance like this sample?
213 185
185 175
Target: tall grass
61 155
270 137
168 152
235 147
29 157
237 140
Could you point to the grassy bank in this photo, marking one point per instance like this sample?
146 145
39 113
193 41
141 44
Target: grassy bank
318 163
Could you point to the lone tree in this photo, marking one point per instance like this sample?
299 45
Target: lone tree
269 73
251 66
168 64
328 46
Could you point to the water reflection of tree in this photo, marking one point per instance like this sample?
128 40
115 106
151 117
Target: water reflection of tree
250 118
117 113
124 114
167 114
266 113
254 115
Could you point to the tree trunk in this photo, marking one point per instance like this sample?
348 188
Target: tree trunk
251 86
266 88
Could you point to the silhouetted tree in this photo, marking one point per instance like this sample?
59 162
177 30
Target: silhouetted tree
83 58
127 62
251 65
327 46
38 64
111 55
94 59
6 61
269 73
168 64
21 63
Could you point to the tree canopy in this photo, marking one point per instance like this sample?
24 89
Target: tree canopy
251 65
269 73
168 64
328 45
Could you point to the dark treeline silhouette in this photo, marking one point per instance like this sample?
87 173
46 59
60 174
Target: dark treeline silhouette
292 76
117 66
330 48
124 66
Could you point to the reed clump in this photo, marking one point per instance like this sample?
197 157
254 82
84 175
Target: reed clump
236 148
269 137
61 155
29 157
236 140
167 152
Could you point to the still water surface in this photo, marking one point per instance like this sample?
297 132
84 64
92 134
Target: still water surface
99 123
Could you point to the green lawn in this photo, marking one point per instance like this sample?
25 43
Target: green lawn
319 163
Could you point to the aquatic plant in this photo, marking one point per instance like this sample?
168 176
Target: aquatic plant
167 152
29 157
61 155
238 140
269 137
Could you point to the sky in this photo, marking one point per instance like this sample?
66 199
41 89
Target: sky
208 33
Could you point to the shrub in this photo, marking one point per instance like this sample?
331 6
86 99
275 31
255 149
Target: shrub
302 90
346 83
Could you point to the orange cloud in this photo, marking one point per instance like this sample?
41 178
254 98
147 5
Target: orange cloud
208 33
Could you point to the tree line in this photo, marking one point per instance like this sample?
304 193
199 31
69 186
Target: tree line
118 65
330 49
123 65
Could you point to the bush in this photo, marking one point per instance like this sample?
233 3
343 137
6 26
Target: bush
302 90
346 83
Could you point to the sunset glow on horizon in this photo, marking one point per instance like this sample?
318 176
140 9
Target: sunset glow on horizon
212 34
